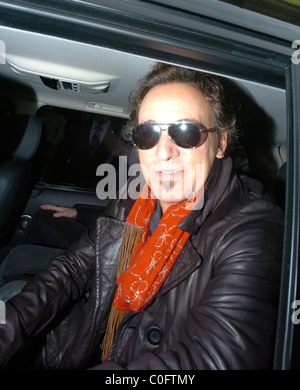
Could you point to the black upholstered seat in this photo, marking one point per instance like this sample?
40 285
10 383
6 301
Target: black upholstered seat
20 138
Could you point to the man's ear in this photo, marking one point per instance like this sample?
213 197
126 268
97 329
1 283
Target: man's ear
222 139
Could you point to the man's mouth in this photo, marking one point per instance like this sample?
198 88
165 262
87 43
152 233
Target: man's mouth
168 174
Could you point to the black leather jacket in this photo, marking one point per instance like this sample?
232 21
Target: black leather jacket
216 310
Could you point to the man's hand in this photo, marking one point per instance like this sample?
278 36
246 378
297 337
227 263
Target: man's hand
68 212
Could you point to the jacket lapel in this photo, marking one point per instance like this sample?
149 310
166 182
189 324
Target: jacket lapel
188 261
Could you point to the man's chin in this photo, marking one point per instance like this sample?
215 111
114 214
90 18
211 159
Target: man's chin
166 197
171 192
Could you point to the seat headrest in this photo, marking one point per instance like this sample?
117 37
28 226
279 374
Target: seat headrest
20 137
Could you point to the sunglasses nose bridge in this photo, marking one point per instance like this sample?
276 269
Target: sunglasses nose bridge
164 133
164 129
166 147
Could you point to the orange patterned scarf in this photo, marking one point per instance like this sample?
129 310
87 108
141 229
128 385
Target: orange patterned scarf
150 257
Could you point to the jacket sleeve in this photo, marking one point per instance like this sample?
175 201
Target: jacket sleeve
45 296
233 324
87 215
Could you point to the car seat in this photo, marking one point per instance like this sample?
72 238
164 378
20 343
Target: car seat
21 137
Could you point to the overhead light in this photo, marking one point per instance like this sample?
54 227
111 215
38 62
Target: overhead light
107 108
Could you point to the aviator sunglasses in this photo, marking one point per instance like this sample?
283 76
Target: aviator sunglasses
184 134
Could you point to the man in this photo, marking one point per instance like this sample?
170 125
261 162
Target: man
186 276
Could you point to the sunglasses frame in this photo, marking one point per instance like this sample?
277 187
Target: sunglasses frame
198 125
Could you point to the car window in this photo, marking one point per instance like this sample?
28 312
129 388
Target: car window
76 143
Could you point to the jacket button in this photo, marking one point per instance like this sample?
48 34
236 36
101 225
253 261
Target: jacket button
87 294
154 335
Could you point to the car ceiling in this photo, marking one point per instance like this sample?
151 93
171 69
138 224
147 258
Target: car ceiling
37 55
29 55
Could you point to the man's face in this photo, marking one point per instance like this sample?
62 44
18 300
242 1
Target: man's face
173 173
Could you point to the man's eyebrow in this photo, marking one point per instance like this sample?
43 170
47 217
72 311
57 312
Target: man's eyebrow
149 121
199 122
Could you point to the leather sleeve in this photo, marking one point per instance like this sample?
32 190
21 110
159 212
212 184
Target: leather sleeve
87 216
43 298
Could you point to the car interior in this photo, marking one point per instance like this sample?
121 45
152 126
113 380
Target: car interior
62 63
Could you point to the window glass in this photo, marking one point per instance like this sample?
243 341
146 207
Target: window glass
77 143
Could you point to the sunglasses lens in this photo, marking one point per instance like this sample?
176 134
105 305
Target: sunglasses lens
146 136
185 135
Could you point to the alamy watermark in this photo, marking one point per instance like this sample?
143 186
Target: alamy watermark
2 313
174 182
2 52
296 53
296 314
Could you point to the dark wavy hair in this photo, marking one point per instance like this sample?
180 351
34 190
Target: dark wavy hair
211 86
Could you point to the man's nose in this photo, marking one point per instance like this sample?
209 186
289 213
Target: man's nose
166 149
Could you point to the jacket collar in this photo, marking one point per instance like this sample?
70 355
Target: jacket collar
217 186
188 261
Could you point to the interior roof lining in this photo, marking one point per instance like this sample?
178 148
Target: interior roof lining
32 46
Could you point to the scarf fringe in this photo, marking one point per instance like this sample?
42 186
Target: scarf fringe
115 318
131 236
